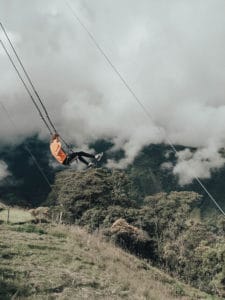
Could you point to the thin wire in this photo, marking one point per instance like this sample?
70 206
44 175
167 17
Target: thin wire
27 148
108 60
27 76
136 97
26 87
32 85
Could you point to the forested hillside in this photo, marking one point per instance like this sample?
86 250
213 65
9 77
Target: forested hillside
165 228
26 186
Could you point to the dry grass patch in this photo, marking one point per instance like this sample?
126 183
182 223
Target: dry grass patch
68 263
16 216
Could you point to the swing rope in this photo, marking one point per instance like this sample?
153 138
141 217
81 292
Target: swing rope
47 120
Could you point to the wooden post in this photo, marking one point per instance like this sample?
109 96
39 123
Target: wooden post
53 219
60 217
8 215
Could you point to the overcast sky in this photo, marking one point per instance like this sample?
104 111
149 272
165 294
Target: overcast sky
171 54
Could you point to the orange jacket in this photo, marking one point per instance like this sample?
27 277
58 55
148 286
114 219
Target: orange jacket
57 152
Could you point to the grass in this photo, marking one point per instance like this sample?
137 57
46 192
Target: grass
30 228
16 216
68 263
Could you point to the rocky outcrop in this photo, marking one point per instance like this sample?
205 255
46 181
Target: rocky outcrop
41 214
132 239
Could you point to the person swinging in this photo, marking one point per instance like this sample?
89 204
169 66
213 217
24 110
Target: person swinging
66 158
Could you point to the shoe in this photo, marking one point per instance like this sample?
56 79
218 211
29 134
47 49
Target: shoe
98 156
90 165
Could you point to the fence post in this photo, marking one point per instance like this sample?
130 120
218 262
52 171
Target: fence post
60 217
8 215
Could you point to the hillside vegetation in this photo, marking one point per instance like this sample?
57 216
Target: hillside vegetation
168 229
28 188
141 209
65 262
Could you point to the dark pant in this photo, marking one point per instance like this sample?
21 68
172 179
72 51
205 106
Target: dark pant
78 155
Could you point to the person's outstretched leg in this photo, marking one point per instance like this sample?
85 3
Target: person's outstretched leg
83 154
70 157
97 157
83 160
80 155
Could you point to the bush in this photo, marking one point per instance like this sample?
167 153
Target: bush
79 192
132 239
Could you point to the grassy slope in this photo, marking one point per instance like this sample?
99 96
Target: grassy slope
16 215
68 263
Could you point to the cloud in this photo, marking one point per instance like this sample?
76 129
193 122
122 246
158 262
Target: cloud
3 170
166 166
198 164
170 53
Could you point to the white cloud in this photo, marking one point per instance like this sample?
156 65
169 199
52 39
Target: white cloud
171 54
166 166
198 164
3 170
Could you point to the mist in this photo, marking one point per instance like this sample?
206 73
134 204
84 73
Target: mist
3 170
171 53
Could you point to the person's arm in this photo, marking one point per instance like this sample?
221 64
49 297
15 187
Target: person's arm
59 147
